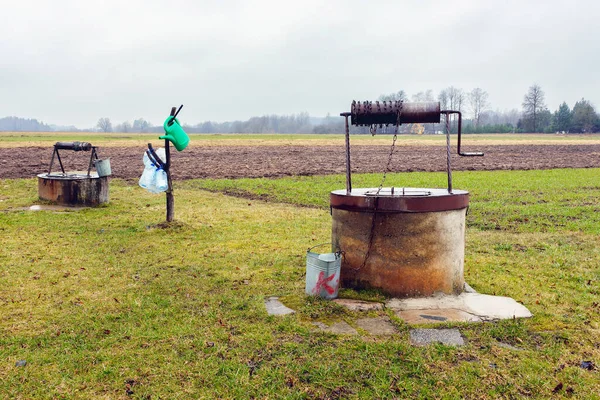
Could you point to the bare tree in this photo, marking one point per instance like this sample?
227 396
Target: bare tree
456 98
140 125
459 99
533 105
124 127
104 124
400 95
478 100
443 99
423 96
453 99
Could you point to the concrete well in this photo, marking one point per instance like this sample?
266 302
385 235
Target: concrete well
73 189
409 243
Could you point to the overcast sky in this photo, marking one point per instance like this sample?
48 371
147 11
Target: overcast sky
72 62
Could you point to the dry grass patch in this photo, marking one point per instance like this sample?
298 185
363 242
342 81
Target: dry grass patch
44 139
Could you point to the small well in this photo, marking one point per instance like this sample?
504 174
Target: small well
405 242
74 188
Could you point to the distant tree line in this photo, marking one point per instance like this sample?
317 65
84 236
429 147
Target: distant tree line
478 117
15 124
583 118
295 123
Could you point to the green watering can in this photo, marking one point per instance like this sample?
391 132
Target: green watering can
174 132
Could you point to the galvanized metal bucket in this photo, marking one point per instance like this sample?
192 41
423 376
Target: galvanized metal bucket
103 167
323 273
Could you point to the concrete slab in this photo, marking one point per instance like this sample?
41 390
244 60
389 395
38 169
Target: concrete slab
467 307
508 346
339 328
494 307
275 307
359 305
426 303
342 328
469 289
376 326
423 337
52 207
321 325
415 317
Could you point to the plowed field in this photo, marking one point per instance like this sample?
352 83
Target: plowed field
274 161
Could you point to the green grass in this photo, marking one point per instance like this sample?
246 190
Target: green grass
516 201
102 304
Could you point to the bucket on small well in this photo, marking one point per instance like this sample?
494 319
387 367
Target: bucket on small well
323 273
102 167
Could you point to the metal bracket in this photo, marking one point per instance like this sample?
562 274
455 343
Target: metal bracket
461 153
74 146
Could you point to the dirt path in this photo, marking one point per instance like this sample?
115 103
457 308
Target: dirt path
274 161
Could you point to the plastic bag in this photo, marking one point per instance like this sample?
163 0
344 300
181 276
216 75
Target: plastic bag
154 178
160 180
148 179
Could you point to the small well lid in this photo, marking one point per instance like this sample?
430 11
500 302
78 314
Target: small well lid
69 176
399 200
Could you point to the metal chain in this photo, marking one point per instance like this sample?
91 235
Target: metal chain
389 162
373 220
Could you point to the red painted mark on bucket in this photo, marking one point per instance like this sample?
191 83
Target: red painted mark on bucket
322 283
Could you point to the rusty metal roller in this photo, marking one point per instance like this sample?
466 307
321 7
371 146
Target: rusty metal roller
386 112
75 146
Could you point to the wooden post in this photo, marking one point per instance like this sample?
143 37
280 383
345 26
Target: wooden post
170 198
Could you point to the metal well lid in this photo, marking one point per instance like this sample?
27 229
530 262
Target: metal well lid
399 200
69 176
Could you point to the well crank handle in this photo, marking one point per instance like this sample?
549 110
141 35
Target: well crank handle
461 153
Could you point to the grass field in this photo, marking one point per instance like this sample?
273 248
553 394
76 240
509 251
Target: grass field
44 139
101 303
